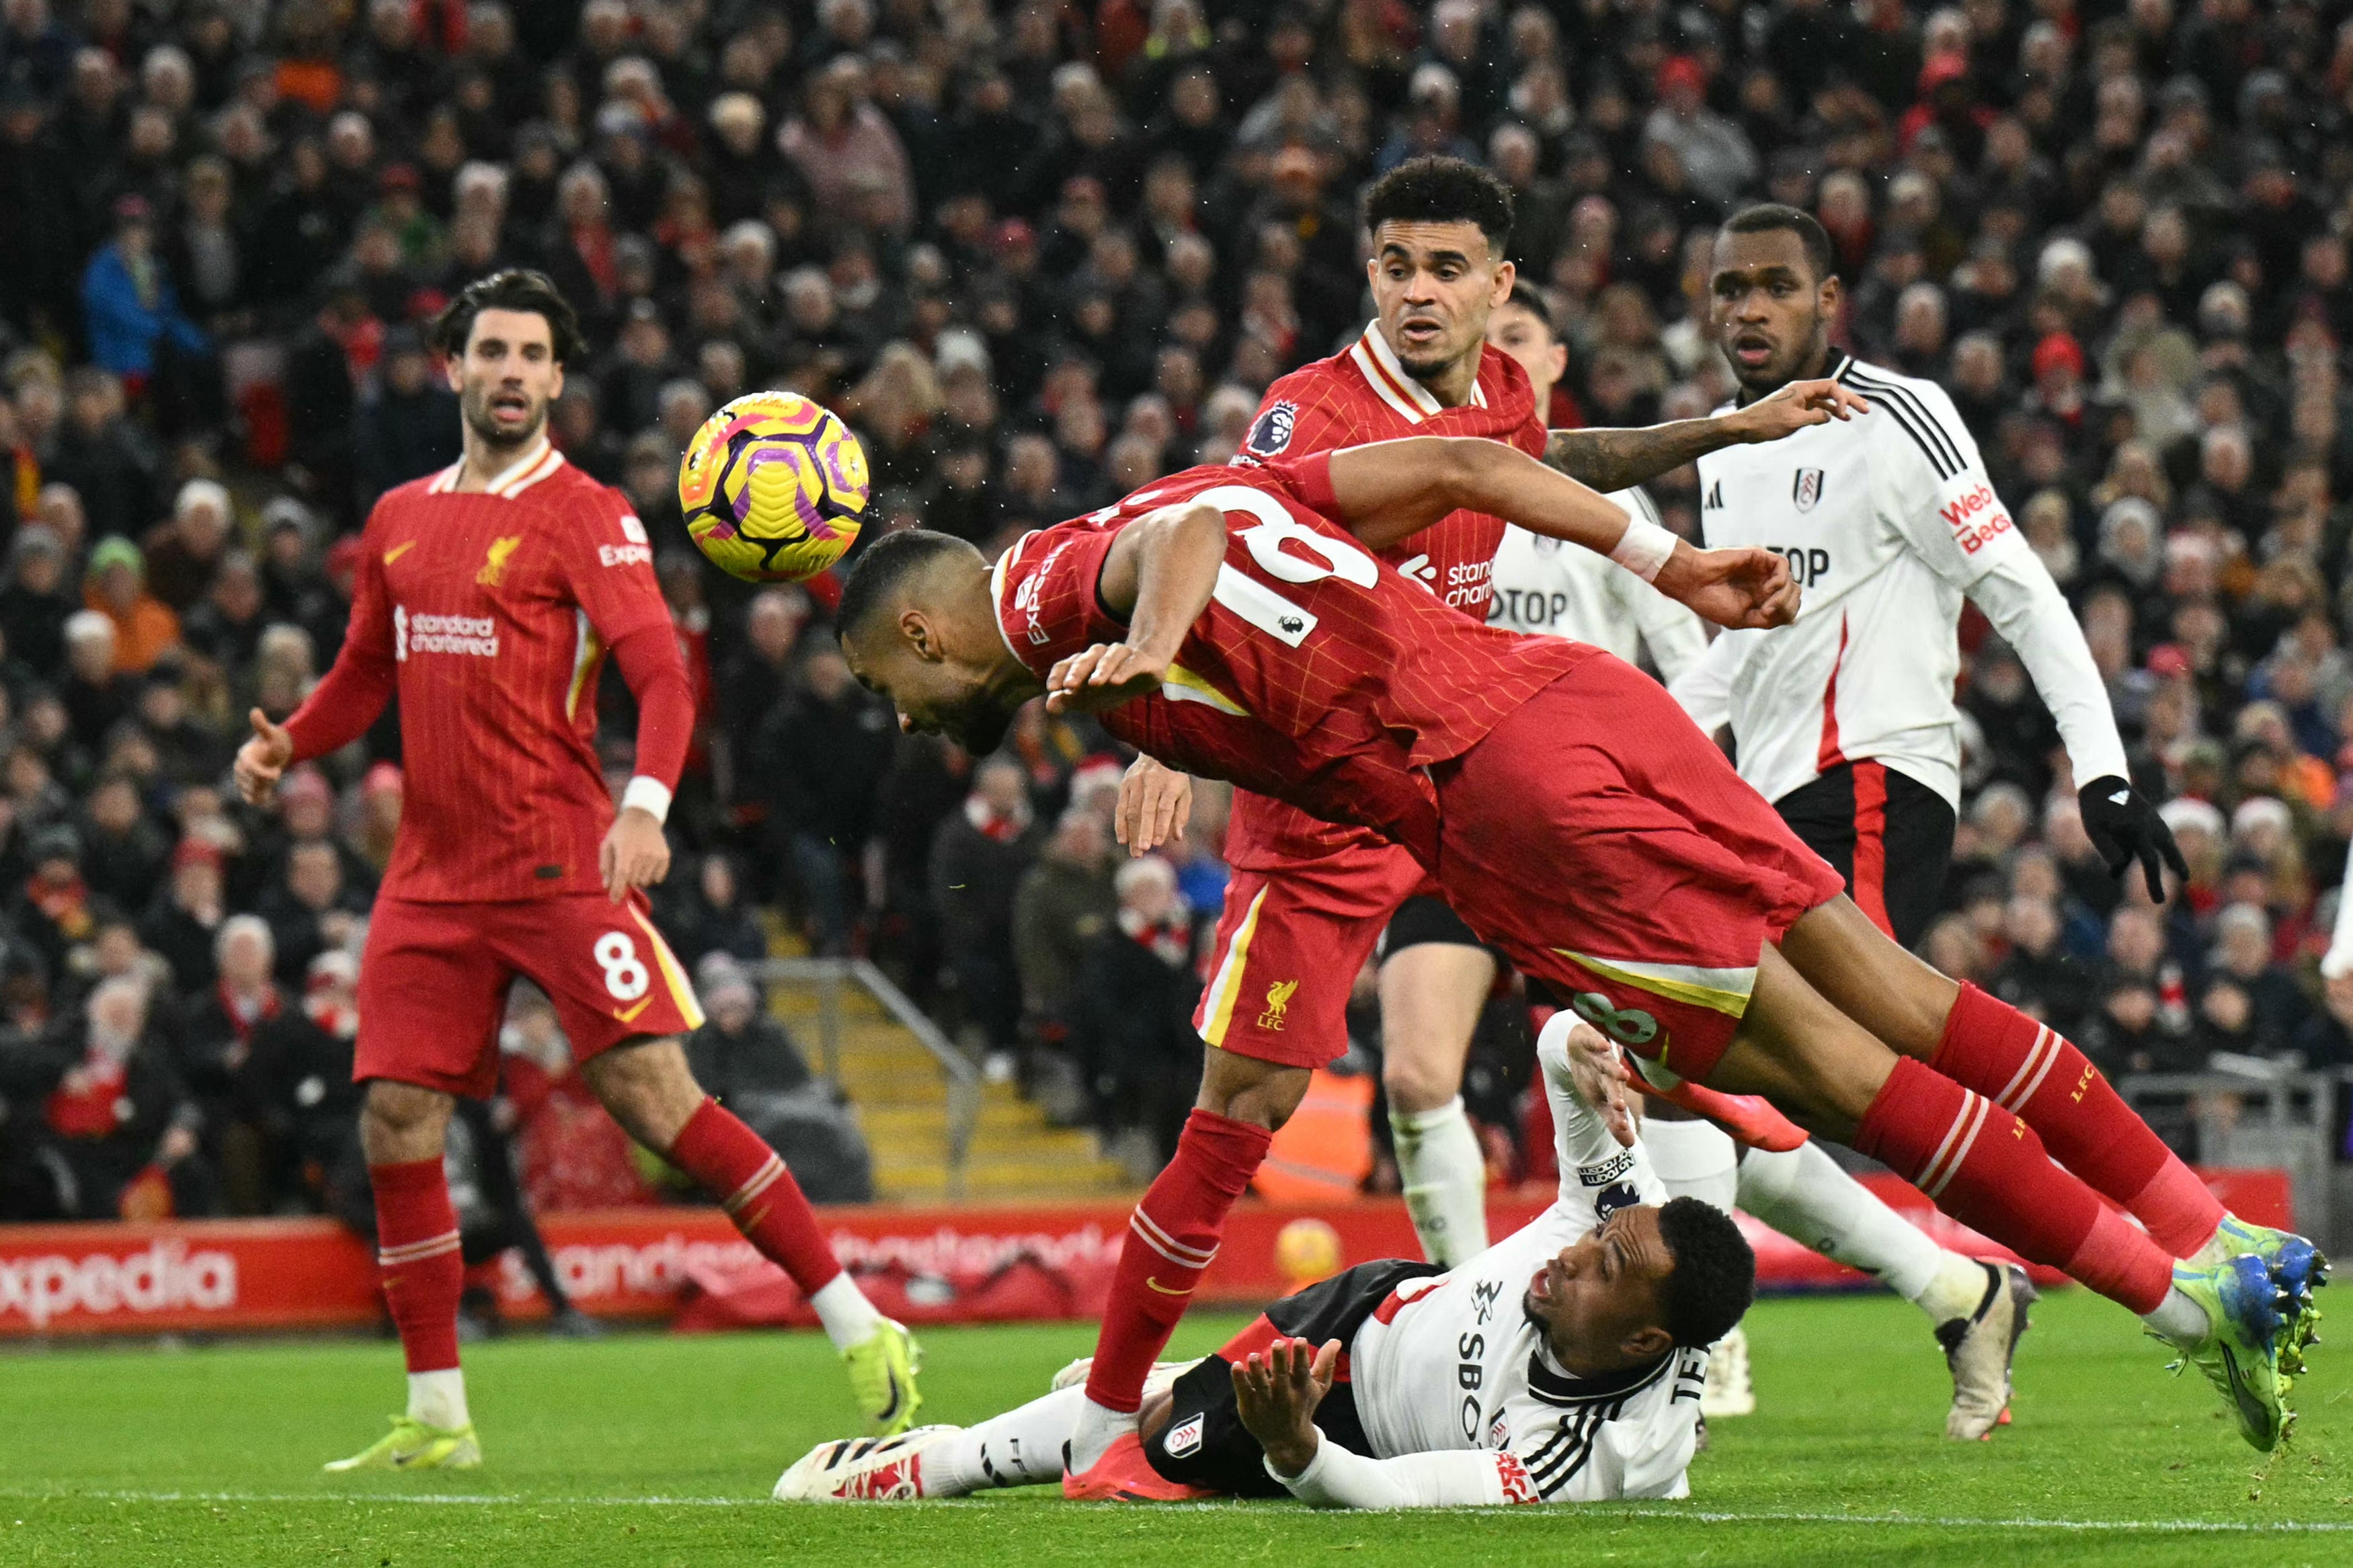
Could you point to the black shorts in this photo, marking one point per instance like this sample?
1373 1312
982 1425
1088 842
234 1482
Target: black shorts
1422 919
1204 1443
1890 836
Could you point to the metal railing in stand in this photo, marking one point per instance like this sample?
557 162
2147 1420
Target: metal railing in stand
2246 1111
828 976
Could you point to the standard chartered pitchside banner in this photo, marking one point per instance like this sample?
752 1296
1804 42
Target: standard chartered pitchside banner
935 1264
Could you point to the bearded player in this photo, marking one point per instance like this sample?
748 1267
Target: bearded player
1975 1310
1562 1364
488 598
1222 622
1309 899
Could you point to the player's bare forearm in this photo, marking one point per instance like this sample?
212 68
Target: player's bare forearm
1617 459
1160 575
1392 489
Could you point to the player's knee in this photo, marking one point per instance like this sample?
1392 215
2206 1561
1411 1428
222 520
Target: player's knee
402 1122
1416 1083
1243 1088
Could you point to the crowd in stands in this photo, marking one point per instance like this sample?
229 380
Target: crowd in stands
1038 252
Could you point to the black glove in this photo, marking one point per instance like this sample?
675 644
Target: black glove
2124 827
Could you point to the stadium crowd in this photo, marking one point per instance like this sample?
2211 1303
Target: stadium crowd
1040 252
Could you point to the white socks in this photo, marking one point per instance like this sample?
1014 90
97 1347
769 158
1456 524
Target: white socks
1695 1158
1444 1173
439 1399
848 1316
2180 1321
1803 1193
1022 1448
1097 1429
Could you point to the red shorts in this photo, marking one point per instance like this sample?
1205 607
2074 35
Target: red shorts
1289 946
1610 850
434 981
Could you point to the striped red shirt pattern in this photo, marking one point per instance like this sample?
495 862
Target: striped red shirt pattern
1363 394
490 612
1318 675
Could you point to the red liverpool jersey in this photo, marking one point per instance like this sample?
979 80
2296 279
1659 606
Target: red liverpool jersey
1318 675
1364 395
490 610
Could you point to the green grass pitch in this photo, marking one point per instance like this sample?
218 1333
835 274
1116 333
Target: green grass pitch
660 1450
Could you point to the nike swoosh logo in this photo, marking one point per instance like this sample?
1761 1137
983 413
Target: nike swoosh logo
397 551
1164 1289
631 1015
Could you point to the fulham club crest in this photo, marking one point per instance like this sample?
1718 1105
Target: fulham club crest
1272 434
1808 489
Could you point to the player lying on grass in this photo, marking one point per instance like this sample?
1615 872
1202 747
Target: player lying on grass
486 597
1220 621
1562 1364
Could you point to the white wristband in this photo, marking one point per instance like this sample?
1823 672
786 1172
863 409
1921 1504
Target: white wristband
647 794
1644 549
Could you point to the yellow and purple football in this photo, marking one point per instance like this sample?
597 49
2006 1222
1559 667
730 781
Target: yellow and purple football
774 487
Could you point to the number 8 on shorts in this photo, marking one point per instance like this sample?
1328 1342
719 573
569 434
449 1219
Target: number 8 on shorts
625 976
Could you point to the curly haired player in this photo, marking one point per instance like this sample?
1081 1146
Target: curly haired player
487 597
1562 1364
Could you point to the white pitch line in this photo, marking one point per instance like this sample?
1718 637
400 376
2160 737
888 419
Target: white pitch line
1701 1516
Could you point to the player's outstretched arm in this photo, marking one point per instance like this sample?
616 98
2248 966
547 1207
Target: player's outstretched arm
1158 574
1276 1393
1390 490
1616 458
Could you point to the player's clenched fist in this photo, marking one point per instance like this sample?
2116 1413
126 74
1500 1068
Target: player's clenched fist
262 760
1101 678
1748 587
1155 805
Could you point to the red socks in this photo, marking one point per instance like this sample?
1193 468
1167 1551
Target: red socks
1986 1168
2031 1069
417 1260
731 1163
1172 1237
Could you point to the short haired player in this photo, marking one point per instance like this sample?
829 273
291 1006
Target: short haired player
488 598
1309 900
1562 1364
1977 1309
1229 622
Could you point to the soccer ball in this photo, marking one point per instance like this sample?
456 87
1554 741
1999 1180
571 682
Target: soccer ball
774 487
1308 1250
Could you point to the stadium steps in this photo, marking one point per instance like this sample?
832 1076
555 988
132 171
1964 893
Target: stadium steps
1016 1155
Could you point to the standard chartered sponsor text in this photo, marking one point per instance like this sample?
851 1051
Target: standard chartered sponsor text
477 635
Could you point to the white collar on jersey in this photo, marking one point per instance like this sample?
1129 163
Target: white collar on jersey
517 476
1390 382
997 594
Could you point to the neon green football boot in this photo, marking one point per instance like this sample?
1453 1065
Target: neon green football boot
882 1368
2298 1268
2240 1352
411 1445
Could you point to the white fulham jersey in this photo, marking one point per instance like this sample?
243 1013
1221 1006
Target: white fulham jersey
1452 1362
1553 588
1887 520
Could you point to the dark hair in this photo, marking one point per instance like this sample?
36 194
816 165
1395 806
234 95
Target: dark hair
1770 217
1442 190
884 568
1531 299
1715 1274
515 288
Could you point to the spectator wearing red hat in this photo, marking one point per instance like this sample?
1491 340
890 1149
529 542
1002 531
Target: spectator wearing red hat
1716 155
2058 367
186 922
